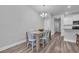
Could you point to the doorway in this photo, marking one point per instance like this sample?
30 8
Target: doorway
57 25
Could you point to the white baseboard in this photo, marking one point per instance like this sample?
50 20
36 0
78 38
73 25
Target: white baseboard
12 45
74 41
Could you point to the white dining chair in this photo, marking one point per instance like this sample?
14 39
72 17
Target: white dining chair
31 39
45 37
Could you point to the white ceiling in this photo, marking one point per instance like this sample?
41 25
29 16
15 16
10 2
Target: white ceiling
56 9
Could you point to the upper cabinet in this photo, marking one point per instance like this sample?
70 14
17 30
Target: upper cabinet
76 17
68 20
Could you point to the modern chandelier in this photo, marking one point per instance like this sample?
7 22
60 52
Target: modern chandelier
44 13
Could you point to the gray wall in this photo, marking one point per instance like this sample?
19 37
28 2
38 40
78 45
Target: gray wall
52 25
15 21
47 22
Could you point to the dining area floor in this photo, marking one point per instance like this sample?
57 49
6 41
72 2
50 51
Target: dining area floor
55 45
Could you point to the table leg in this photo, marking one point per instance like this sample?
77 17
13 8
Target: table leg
37 42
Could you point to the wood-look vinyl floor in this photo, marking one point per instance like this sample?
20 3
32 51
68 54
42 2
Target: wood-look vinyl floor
56 45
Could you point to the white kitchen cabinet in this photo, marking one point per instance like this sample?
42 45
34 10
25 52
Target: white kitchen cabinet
68 20
76 17
67 26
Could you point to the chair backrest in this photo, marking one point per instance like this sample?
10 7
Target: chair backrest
45 34
26 37
49 33
31 36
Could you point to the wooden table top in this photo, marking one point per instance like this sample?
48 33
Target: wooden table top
37 32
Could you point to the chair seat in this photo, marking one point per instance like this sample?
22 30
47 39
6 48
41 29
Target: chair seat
43 38
32 39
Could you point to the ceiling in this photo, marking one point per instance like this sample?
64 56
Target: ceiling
56 9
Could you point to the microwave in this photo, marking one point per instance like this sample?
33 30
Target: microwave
75 25
75 22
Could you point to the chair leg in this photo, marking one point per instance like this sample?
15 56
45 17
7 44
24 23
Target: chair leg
28 45
47 41
32 45
43 43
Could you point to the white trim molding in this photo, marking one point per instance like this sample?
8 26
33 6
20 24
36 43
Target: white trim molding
74 41
12 45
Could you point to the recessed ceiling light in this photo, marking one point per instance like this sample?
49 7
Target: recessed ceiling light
68 6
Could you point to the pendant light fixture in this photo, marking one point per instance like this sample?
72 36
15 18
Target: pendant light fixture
44 13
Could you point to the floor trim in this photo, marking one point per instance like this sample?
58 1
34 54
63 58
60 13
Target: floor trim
70 40
12 45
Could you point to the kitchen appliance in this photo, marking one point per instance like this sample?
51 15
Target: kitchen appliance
75 22
75 25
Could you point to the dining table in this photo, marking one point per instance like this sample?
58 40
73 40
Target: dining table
37 35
